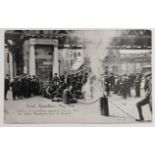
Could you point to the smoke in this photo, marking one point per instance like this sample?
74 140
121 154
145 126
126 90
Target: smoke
96 44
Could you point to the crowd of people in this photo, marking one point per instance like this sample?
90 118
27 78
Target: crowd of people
122 84
73 83
23 86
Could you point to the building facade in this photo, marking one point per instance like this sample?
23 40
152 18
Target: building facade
126 61
129 53
31 52
41 53
71 58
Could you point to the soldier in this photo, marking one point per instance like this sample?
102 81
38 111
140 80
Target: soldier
27 86
68 97
147 80
117 86
50 90
121 85
32 85
59 92
137 84
14 86
19 87
112 81
147 99
24 85
56 78
107 85
62 78
124 86
6 87
128 85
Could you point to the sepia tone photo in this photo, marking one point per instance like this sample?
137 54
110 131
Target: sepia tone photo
78 76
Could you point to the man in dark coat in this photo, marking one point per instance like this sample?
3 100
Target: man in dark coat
6 87
27 86
107 85
56 78
14 86
124 87
19 88
146 100
137 85
112 81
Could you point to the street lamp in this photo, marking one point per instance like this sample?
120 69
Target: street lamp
59 65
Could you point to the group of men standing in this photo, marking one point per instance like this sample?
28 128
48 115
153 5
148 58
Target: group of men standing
121 85
23 86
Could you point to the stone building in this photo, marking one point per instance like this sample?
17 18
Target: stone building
34 52
41 53
125 61
129 53
72 58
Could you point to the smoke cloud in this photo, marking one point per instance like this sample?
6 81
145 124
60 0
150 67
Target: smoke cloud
96 43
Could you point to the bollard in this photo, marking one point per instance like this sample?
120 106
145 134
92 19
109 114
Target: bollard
104 106
65 97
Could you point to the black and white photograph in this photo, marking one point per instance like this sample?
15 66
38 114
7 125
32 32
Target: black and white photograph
97 76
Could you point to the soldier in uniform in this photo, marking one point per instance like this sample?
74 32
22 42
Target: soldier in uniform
128 85
68 80
124 87
147 99
56 78
50 91
62 78
27 86
14 86
112 81
19 87
107 85
137 84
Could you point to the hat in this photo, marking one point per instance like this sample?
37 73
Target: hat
148 74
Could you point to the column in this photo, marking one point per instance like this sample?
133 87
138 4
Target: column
7 69
11 64
32 63
55 60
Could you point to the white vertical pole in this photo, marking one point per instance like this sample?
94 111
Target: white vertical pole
55 61
11 64
32 63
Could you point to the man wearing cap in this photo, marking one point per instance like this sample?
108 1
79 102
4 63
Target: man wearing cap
147 99
137 84
14 86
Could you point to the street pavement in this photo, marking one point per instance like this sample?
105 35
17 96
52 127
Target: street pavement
38 110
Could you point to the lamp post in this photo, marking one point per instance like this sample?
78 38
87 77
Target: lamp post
59 65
